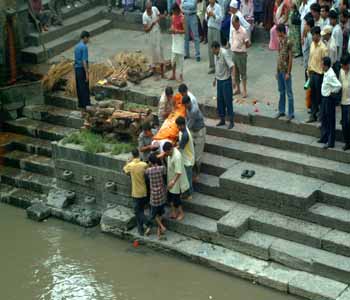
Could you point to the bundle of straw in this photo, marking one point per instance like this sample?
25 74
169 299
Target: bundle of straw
135 61
55 74
96 72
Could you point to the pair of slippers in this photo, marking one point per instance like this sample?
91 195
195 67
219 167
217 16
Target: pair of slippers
247 174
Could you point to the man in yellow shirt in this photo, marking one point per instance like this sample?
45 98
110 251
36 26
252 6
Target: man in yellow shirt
318 51
136 169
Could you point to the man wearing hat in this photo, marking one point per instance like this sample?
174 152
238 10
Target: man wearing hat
330 43
236 12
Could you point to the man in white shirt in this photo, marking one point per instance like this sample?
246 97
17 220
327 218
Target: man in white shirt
330 43
330 87
315 9
337 35
150 21
235 12
304 9
213 16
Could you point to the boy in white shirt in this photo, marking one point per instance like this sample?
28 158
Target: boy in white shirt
330 87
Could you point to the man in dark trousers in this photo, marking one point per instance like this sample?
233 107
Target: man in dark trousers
223 83
81 67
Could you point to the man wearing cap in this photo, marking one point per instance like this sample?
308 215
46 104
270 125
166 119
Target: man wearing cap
189 7
236 12
330 43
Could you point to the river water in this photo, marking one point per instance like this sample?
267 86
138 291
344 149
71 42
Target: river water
54 260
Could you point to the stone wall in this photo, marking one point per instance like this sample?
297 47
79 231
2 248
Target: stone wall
96 179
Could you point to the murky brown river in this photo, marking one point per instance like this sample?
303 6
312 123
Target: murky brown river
58 261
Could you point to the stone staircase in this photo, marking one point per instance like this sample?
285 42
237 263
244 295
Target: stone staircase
88 16
288 227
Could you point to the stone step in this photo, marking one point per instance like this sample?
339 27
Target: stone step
30 162
18 197
300 231
38 129
58 99
208 206
290 254
55 115
334 216
26 180
297 163
216 165
280 139
36 54
76 22
209 185
32 145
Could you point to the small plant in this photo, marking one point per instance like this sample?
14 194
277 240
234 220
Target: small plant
95 143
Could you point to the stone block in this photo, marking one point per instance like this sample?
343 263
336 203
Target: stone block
38 212
118 219
315 287
235 223
345 295
288 228
277 277
337 242
60 198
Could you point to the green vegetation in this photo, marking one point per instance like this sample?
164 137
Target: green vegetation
96 143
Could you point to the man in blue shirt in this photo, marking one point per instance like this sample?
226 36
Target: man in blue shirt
189 7
81 67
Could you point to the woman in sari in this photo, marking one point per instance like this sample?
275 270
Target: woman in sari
280 17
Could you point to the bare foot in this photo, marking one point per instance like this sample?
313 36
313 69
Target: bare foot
148 231
180 217
244 95
237 92
162 229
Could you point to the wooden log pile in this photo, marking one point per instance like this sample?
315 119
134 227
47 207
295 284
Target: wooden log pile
109 116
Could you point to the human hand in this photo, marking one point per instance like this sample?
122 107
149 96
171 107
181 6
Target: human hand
171 184
287 76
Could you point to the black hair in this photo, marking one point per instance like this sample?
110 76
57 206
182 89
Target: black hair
186 99
180 121
326 8
176 7
333 15
316 30
327 61
84 34
146 126
235 19
345 13
310 22
315 7
135 153
153 159
345 60
215 45
281 28
183 88
167 146
308 16
169 91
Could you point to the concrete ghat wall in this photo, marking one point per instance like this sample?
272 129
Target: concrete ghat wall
102 168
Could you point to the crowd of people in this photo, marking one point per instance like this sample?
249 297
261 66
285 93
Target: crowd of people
163 171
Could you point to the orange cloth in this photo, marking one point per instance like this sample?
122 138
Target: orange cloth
169 128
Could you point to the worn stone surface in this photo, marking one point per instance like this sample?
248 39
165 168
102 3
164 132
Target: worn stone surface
60 198
345 295
118 218
38 212
235 223
215 164
277 277
288 228
337 241
335 194
315 287
77 214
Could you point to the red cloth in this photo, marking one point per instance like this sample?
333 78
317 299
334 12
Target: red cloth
177 22
37 6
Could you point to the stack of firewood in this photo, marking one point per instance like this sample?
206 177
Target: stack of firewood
110 117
